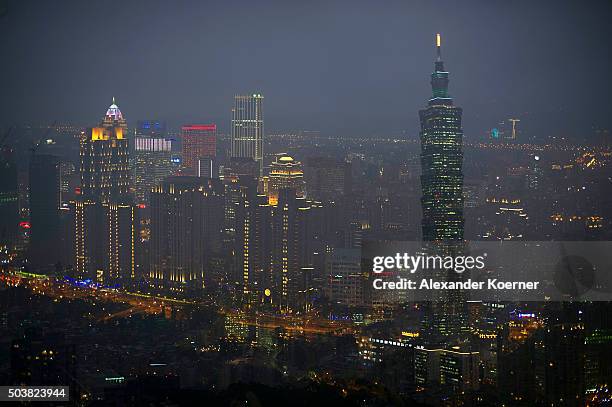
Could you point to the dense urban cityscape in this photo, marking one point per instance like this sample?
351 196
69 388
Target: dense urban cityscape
144 262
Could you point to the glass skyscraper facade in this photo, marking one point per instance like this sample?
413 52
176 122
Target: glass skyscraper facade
441 162
248 128
152 163
442 195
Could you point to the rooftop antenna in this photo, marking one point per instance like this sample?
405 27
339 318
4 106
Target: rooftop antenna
438 45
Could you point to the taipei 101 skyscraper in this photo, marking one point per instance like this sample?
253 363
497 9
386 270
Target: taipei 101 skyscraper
442 195
441 161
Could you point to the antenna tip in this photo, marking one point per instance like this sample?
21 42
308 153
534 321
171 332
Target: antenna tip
438 40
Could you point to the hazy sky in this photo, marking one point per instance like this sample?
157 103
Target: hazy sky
342 67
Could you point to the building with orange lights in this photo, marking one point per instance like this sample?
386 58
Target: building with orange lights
285 172
104 215
105 169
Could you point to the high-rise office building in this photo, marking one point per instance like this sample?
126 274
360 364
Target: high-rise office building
442 196
345 281
441 161
105 217
454 369
45 232
186 230
288 238
327 178
68 180
199 141
560 364
151 128
105 172
248 206
239 173
105 241
152 163
243 168
285 172
208 168
517 342
9 198
459 369
271 249
150 157
248 128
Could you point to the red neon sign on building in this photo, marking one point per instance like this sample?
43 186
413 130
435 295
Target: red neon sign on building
199 141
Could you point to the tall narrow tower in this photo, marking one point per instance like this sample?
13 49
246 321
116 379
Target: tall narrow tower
441 161
104 214
442 196
9 196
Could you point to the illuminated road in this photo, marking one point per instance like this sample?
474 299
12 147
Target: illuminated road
139 303
295 324
56 289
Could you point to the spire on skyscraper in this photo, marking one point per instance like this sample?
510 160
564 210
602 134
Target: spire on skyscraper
439 77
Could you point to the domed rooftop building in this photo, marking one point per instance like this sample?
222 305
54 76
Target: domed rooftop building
114 117
285 172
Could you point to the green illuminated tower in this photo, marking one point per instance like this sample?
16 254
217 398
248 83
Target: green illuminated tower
441 162
442 196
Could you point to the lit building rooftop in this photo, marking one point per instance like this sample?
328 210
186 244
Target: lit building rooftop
113 111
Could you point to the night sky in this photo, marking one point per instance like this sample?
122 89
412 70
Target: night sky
343 67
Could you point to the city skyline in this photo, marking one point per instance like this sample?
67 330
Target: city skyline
181 247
